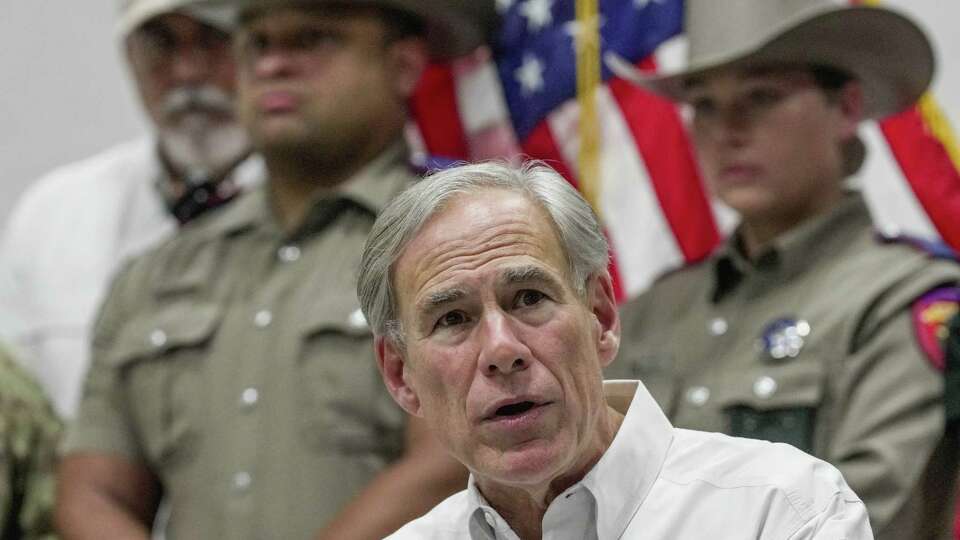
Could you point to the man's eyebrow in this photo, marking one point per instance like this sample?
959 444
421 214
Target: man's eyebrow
438 299
526 274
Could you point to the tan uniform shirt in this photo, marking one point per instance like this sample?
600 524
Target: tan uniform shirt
29 435
813 344
235 363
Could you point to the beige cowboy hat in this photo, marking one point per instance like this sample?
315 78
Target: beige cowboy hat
453 27
886 51
134 13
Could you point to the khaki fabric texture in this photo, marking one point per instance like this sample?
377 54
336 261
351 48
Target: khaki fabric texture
234 362
859 393
29 436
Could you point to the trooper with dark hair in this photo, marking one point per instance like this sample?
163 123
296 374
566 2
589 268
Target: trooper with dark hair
232 369
806 326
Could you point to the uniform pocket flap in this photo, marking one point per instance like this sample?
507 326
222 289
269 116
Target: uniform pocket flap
795 384
172 327
338 314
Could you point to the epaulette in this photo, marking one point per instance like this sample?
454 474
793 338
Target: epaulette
936 249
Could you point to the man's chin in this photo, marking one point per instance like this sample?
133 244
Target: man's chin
529 463
213 148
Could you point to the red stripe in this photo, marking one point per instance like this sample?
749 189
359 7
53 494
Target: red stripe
434 107
540 144
928 169
662 141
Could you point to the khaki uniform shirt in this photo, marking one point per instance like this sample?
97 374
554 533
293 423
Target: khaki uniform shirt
235 363
29 434
813 344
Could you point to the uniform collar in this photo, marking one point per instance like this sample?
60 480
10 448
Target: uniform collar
622 479
806 246
371 189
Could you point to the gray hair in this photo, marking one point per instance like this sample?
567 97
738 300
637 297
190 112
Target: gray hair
578 228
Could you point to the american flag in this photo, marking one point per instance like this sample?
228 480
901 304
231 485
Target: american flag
518 98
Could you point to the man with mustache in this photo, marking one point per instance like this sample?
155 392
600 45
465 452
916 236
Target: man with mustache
806 326
72 228
232 369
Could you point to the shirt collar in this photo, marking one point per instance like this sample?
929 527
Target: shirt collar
640 447
371 188
795 251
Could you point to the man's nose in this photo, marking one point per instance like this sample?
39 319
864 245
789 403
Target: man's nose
189 65
503 352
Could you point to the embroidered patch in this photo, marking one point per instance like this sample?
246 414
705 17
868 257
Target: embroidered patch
931 313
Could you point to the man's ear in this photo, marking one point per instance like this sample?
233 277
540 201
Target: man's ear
393 369
850 101
603 304
409 57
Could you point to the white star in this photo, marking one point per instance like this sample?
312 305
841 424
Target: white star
530 75
644 3
504 5
538 13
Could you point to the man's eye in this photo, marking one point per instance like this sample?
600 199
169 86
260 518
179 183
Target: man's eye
702 107
762 97
529 297
452 318
313 38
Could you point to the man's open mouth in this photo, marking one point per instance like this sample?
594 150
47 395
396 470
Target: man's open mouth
514 409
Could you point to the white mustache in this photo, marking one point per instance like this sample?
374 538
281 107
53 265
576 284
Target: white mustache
202 98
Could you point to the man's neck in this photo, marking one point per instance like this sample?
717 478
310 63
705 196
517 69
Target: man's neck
523 507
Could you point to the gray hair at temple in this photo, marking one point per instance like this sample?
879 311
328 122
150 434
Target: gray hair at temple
575 223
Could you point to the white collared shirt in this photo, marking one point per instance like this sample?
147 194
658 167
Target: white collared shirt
657 482
64 240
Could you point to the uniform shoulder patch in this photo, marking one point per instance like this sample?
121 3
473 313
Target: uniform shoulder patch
936 249
931 315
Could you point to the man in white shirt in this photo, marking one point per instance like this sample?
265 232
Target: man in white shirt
73 227
494 314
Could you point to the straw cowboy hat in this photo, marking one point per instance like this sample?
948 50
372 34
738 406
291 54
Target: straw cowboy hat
134 13
453 27
886 51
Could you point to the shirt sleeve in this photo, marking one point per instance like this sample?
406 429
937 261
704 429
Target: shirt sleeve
104 423
890 419
844 518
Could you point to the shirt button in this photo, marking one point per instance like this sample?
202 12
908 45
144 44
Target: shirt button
263 318
764 387
249 397
288 254
490 520
698 395
242 481
718 327
158 338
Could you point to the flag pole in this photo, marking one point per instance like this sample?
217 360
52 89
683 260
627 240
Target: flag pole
588 79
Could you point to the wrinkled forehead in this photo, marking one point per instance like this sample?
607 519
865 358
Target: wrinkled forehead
475 222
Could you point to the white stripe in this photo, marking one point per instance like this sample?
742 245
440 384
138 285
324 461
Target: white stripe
483 109
642 240
892 202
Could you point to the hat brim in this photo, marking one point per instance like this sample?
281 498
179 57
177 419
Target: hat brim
886 51
453 28
217 16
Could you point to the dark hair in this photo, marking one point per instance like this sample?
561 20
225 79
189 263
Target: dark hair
830 78
401 24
